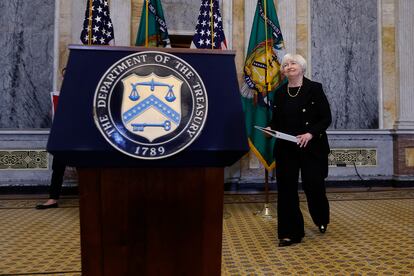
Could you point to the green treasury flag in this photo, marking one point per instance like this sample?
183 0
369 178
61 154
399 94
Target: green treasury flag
262 77
157 27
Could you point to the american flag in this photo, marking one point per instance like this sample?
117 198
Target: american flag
97 26
209 32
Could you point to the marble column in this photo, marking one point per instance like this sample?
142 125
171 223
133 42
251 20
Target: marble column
405 41
78 15
249 10
287 17
303 36
404 134
121 19
388 58
286 12
227 14
239 34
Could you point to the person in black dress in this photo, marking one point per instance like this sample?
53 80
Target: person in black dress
300 108
58 171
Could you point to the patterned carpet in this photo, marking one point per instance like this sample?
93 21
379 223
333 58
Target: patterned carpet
371 233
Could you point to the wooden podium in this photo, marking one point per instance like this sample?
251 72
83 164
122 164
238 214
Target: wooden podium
149 217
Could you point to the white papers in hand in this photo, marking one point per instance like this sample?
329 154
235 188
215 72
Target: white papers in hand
278 134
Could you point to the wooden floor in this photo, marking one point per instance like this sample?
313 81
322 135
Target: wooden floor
371 233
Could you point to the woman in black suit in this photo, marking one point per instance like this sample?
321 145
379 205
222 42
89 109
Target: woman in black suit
300 108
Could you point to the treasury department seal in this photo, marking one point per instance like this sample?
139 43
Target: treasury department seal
150 105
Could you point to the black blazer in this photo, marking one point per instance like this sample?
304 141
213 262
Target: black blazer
316 115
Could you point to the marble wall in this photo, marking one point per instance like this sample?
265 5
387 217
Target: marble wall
181 20
344 57
26 63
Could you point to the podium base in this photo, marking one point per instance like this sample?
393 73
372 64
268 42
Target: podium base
146 221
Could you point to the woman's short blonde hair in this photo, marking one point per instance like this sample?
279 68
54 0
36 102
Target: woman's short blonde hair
294 57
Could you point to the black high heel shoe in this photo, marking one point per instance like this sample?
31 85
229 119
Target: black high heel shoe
322 228
48 206
288 241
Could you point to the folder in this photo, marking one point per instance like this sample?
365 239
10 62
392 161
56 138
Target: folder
278 134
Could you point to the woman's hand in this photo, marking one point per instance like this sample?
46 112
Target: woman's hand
266 134
303 139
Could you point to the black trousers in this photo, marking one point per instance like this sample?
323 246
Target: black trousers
58 171
289 162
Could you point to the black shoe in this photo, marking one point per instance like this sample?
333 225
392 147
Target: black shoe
288 241
322 228
48 206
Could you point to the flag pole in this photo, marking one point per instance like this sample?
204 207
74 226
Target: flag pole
266 189
267 57
90 23
265 212
268 86
212 24
146 23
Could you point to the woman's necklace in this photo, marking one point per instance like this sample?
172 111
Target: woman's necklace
293 95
